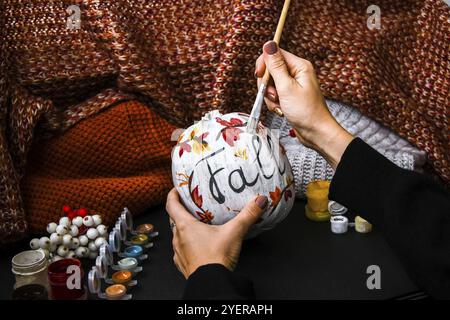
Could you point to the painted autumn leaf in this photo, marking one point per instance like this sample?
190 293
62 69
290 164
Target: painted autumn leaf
231 132
206 216
275 196
183 178
184 147
287 194
232 123
199 144
196 197
241 153
230 135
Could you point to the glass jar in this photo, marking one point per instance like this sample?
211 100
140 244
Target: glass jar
30 292
30 267
58 277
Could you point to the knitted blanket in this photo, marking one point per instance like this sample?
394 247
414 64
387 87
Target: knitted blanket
308 165
183 58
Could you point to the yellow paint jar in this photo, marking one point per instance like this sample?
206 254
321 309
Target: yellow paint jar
317 215
317 194
139 239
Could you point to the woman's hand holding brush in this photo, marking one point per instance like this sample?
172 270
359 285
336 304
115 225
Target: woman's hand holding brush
295 90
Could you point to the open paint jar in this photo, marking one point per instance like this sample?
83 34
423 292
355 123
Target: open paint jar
140 240
114 292
30 267
148 229
130 264
136 252
63 288
117 292
124 277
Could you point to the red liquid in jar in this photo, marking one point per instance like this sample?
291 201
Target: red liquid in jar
58 276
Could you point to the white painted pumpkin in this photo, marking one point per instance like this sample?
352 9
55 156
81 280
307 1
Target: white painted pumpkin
217 167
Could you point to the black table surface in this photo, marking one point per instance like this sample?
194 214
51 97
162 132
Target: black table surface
299 259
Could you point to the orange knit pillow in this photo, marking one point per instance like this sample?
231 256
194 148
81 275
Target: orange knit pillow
120 157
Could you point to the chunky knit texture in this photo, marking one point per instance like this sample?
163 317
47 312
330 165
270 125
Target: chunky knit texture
118 158
308 165
183 58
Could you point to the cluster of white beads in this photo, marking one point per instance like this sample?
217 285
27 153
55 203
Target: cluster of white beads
80 237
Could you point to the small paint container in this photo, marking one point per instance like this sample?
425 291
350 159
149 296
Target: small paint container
339 224
30 267
114 292
135 251
124 277
317 195
140 240
58 280
130 264
148 229
117 292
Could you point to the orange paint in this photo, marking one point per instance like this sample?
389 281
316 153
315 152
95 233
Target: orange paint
121 277
116 291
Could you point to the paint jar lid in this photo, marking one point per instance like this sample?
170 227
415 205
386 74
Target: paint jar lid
94 282
105 252
145 228
336 208
102 266
121 226
29 262
115 240
139 239
122 277
133 251
127 263
127 218
116 291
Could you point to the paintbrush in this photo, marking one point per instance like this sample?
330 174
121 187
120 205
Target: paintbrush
257 106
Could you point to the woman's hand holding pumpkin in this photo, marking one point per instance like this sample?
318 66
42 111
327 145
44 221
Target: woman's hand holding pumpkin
196 243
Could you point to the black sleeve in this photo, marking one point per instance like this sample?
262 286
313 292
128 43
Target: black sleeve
411 211
215 282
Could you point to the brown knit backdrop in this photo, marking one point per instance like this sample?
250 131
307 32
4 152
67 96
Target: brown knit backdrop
180 59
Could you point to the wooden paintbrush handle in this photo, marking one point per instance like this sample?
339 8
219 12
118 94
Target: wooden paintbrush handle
278 33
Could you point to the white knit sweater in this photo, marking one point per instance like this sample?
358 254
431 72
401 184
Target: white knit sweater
308 165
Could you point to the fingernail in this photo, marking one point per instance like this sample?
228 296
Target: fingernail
261 201
272 97
271 47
